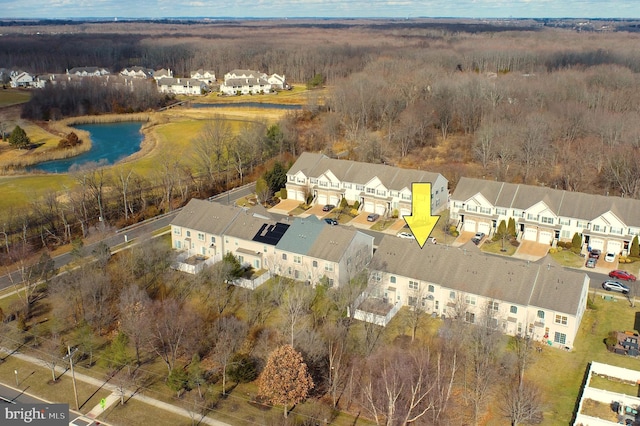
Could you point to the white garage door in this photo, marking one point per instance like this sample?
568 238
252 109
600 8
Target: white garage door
300 195
322 199
333 199
614 247
380 209
545 237
596 243
484 227
368 206
530 234
470 225
405 212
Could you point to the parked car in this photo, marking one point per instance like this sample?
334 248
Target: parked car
622 275
405 235
373 217
595 253
331 221
609 257
615 286
591 262
328 207
477 238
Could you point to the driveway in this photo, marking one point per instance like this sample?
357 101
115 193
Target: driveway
285 206
463 238
531 250
316 210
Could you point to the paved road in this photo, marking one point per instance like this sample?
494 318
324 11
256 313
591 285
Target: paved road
10 395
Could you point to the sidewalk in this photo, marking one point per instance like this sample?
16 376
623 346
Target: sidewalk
114 397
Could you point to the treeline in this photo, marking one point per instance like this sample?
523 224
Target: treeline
92 96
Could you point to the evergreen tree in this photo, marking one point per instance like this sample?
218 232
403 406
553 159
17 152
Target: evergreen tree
19 139
576 243
634 251
511 227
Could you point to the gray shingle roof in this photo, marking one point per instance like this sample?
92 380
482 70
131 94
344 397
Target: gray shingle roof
564 203
205 216
395 178
332 243
542 284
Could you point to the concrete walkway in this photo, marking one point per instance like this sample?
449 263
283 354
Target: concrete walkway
114 397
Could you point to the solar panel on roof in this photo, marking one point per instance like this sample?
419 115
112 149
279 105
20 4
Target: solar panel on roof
270 234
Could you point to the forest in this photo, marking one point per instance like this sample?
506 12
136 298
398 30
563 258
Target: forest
524 103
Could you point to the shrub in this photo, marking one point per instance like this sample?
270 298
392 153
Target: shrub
344 203
356 205
455 233
283 193
354 212
552 250
395 213
611 340
452 230
576 243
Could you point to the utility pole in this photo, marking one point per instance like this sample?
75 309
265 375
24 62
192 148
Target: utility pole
73 375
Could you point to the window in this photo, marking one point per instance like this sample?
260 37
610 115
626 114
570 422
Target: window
297 259
406 197
548 220
470 317
315 263
472 208
284 256
502 212
452 295
241 259
513 309
413 285
560 338
613 230
493 306
188 233
381 192
313 181
177 231
264 249
413 301
580 224
565 221
541 314
330 282
335 185
213 240
178 244
359 187
323 183
561 319
470 299
596 228
371 190
346 185
485 210
565 234
531 216
200 236
376 276
256 264
431 288
328 266
392 279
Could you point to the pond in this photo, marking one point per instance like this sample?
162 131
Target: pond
249 105
111 142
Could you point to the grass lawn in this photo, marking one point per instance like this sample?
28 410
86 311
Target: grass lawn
13 96
560 373
135 412
568 258
35 380
495 247
617 386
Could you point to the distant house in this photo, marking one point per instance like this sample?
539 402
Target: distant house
245 82
538 299
204 75
182 86
162 73
88 71
137 72
22 79
278 82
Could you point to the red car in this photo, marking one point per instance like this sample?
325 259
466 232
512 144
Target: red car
622 275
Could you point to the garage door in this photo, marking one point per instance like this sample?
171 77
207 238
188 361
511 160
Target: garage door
333 199
322 199
300 195
614 247
405 212
530 234
368 206
484 227
545 237
596 243
470 225
380 209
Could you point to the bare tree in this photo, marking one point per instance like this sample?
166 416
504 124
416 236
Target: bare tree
229 333
135 308
171 324
209 147
296 304
521 402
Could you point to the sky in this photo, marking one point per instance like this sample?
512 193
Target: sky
65 9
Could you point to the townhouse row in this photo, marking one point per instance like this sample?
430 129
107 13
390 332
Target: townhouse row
546 215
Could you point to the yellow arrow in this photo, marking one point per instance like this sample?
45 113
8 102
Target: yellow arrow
421 222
